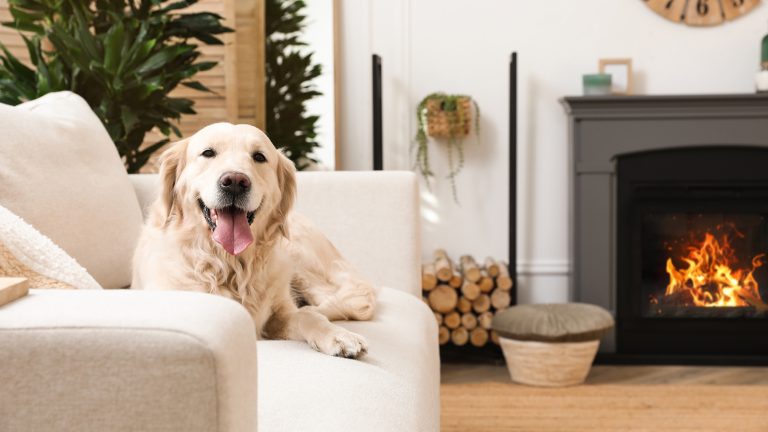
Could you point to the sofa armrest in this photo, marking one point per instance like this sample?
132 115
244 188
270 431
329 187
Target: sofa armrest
146 187
122 360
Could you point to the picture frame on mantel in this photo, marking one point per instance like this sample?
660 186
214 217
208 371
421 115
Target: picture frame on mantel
620 70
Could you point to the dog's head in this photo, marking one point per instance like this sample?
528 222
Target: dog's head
229 179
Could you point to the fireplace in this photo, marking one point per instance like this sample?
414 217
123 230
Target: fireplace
670 224
692 239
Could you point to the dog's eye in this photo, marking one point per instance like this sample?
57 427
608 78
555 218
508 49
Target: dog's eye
259 157
209 153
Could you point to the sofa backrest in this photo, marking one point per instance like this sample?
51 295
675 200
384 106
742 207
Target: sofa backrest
371 217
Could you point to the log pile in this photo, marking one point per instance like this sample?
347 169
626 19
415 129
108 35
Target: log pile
464 296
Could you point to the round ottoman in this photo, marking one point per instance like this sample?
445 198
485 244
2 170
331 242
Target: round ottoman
551 345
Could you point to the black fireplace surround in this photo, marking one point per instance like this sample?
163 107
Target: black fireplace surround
669 223
667 203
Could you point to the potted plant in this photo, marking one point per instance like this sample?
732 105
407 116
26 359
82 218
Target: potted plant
448 118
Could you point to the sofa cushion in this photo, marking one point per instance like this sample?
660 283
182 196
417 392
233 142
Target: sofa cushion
24 252
395 387
60 172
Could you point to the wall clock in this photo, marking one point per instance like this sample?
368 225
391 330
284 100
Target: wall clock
701 12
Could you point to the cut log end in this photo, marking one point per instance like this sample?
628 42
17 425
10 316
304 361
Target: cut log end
478 337
482 303
469 321
469 268
485 319
443 299
491 267
460 336
452 320
443 335
470 290
500 299
428 277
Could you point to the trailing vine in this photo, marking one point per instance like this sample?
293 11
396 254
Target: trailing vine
454 137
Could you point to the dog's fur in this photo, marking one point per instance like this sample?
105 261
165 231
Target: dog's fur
289 261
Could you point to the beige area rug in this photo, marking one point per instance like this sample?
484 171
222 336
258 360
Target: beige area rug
615 398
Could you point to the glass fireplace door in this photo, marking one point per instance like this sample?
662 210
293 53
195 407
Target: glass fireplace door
692 248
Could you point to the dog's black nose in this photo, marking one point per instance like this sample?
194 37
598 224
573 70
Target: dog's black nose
235 183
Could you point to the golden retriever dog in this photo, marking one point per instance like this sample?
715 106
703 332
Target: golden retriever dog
223 224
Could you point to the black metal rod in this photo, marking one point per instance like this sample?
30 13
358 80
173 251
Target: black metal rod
378 140
513 175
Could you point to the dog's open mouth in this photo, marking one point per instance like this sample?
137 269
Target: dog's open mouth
230 226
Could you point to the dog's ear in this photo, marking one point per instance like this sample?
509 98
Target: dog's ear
172 163
286 181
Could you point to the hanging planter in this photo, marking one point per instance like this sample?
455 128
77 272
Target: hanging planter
447 118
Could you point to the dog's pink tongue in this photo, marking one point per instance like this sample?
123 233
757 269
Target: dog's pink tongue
232 231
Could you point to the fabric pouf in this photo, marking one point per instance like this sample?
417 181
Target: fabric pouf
551 345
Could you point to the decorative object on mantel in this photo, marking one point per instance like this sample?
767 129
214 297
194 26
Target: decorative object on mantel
701 12
551 345
596 84
446 117
620 71
761 79
465 297
12 288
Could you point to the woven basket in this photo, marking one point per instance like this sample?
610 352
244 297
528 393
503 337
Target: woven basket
549 364
449 124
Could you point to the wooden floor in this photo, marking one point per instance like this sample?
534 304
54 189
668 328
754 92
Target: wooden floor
614 398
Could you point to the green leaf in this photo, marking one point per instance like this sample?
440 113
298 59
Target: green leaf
162 57
113 46
197 85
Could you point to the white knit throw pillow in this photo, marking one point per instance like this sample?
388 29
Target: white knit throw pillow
24 252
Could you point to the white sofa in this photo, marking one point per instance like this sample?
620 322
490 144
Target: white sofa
121 360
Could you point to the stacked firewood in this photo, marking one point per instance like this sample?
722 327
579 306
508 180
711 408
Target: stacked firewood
464 296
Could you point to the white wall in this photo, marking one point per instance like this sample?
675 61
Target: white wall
460 46
319 37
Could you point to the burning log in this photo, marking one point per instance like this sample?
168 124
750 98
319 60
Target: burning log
680 298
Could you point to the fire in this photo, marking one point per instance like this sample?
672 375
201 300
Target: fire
712 279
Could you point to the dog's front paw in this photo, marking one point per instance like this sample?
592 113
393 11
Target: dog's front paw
341 343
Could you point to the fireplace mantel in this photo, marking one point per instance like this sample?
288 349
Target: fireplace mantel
601 128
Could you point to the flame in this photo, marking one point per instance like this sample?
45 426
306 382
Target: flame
711 278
